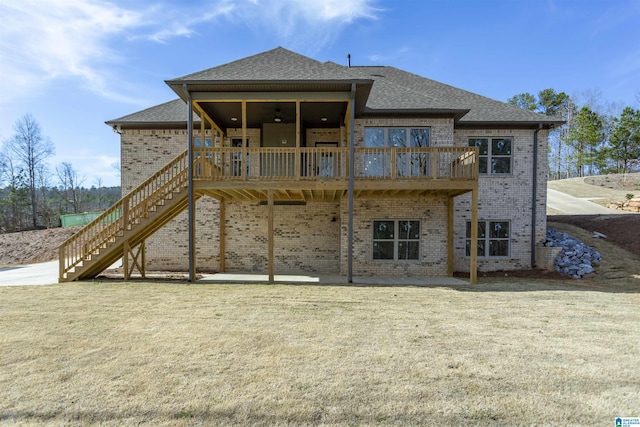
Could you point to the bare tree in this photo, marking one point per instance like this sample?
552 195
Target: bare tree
99 191
44 184
70 182
31 149
15 202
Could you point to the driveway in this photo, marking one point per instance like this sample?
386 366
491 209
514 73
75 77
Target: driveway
564 204
45 273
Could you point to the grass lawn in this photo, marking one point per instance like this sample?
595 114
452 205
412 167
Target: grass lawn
499 353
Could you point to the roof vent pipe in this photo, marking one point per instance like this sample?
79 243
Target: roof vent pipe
349 60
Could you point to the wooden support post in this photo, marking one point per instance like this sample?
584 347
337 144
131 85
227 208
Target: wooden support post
394 164
125 259
473 269
222 236
450 237
270 232
143 262
434 164
125 213
297 159
202 170
62 262
245 154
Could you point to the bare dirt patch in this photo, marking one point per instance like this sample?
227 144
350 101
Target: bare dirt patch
29 247
621 230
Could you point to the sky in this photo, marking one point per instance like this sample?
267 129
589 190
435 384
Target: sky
74 64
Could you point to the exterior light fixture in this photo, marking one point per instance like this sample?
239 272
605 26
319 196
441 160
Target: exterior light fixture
323 119
234 119
278 116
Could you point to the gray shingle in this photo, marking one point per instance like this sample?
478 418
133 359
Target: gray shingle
278 64
397 89
170 112
393 89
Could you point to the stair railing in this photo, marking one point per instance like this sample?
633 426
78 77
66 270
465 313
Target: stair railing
123 215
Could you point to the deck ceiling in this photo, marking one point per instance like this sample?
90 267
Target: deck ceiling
258 113
314 195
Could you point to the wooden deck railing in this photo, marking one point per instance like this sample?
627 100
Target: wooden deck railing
326 163
124 214
331 163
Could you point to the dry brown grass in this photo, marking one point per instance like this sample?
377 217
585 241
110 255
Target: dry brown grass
499 353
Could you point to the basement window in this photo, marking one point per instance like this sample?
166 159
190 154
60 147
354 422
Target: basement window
493 239
397 240
495 155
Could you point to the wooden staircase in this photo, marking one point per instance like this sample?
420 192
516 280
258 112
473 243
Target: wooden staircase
127 224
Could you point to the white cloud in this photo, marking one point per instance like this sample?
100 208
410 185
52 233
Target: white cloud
44 40
389 57
306 25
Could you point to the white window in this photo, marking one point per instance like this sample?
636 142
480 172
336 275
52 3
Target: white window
408 162
495 155
396 240
493 238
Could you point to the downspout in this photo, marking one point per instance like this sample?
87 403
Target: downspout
190 207
534 191
352 162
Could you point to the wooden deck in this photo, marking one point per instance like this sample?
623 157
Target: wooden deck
269 175
322 174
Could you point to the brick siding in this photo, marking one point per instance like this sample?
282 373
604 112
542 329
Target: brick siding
307 239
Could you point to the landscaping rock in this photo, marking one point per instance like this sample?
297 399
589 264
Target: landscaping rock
576 259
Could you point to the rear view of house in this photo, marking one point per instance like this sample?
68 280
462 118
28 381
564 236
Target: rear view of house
278 163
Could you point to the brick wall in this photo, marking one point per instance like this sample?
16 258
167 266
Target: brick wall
432 214
506 198
306 238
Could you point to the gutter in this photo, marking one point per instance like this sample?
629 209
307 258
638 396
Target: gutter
352 116
534 191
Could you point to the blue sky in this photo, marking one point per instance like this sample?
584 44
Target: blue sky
75 64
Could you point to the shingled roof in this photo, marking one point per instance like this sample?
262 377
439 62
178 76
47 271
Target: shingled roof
391 90
395 89
168 114
278 64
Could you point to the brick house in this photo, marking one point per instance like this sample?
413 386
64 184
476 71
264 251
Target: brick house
304 167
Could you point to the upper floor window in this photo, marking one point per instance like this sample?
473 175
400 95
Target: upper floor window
408 162
396 137
495 155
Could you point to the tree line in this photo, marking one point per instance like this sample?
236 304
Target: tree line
594 139
32 195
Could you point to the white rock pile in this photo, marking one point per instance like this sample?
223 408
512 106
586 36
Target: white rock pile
576 259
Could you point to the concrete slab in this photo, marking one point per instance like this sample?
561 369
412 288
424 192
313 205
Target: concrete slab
565 204
45 273
331 280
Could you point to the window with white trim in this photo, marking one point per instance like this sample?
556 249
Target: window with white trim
396 240
408 162
493 238
495 155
